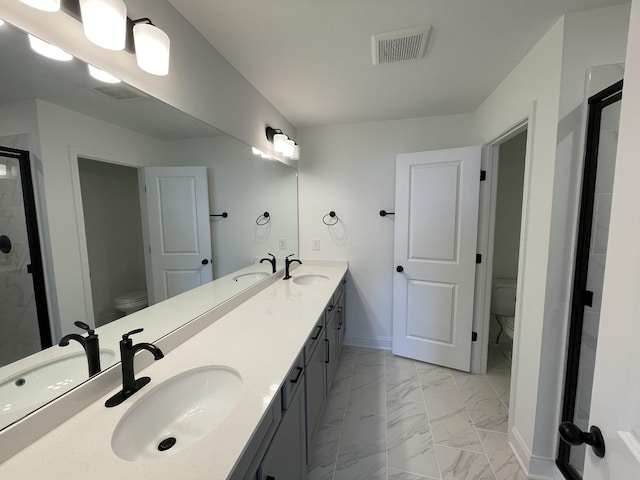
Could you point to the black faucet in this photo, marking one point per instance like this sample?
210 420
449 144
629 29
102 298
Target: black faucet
271 260
129 383
287 264
90 344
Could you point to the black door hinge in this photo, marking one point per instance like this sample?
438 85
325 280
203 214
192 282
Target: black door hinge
474 336
483 175
588 298
478 258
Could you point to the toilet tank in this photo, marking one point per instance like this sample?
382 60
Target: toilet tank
503 296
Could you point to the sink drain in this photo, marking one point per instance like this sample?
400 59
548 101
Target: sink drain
166 444
20 382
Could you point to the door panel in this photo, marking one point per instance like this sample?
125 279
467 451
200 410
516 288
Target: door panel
434 243
178 233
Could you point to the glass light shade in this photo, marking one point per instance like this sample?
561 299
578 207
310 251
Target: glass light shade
102 75
3 170
296 152
1 22
105 22
152 49
279 142
45 5
288 148
47 50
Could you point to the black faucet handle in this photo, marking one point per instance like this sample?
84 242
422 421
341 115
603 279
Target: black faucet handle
291 255
132 332
271 255
84 326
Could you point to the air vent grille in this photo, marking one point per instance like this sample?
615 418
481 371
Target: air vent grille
120 92
400 46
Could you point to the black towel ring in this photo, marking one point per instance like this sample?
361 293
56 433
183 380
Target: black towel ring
331 214
266 218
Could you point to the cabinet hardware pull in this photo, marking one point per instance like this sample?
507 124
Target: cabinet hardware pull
317 334
327 350
300 370
329 308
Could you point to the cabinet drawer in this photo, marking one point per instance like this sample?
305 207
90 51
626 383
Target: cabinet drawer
312 342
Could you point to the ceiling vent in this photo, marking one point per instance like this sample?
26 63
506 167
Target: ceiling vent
120 92
400 46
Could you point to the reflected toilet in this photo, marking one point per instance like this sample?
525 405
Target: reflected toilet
503 304
131 302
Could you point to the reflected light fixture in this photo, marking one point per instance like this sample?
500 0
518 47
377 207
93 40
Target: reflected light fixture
105 22
44 5
296 152
152 47
289 146
47 50
1 22
101 75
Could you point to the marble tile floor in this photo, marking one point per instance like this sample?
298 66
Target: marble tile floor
391 418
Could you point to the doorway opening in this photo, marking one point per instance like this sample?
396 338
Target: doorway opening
113 232
510 165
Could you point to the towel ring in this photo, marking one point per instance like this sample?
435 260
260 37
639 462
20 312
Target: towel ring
266 218
331 214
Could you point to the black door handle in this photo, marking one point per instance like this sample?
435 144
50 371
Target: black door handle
205 261
399 269
571 434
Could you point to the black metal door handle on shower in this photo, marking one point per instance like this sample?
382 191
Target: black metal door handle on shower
571 434
205 262
399 269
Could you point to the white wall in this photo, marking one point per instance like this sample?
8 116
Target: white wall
62 132
509 206
245 186
200 82
551 76
113 227
351 169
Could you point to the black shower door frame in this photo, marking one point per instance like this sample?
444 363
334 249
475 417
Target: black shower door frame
35 268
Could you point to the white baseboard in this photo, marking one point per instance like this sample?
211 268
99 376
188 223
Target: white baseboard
536 467
368 342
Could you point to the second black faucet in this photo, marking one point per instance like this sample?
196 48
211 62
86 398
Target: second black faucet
287 264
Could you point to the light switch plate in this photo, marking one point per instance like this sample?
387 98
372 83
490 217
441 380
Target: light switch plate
282 244
315 244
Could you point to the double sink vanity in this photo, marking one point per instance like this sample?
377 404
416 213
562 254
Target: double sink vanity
239 399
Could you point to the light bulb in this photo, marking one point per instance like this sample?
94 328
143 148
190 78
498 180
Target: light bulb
279 142
102 75
1 22
105 22
288 148
47 50
44 5
152 49
296 152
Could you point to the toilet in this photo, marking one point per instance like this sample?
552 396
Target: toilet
131 302
503 304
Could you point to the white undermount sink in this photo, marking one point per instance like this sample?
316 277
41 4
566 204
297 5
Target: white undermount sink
177 413
248 279
310 279
41 383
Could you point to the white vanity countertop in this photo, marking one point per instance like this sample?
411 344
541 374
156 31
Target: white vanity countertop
260 339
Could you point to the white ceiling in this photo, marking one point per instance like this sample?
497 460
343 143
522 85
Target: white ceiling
312 58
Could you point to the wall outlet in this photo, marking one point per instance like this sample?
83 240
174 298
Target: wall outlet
282 244
315 244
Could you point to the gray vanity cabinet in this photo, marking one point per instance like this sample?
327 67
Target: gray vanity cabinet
340 309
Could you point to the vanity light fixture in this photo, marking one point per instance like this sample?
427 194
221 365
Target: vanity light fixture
47 50
1 22
101 75
105 22
282 143
152 47
44 5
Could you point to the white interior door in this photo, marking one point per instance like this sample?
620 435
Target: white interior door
436 227
178 237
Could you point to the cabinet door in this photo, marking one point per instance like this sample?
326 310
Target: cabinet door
286 456
314 383
341 322
331 346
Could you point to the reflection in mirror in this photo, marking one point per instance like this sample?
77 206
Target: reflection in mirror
114 171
